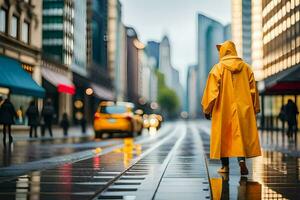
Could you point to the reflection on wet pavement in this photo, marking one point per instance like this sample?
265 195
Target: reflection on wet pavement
70 181
129 150
28 151
78 180
245 189
275 175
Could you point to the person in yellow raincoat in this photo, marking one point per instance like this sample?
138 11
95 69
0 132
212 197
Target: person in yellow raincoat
231 100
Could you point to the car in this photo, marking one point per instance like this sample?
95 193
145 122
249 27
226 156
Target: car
116 117
152 121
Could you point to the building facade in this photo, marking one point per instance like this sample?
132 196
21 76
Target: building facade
192 103
257 40
165 66
171 75
121 95
281 57
227 32
79 58
133 71
210 33
81 101
58 54
152 50
58 30
177 87
242 27
116 51
97 85
20 44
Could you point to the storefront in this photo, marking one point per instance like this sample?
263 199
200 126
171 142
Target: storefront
277 90
87 98
57 80
19 85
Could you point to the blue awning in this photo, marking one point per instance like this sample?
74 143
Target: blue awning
17 80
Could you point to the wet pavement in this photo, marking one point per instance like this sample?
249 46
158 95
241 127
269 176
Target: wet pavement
168 164
79 179
274 175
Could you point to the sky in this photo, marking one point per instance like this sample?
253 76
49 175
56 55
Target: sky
176 18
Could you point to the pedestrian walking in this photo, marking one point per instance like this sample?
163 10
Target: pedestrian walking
282 117
291 118
65 124
32 114
48 114
7 118
83 125
231 100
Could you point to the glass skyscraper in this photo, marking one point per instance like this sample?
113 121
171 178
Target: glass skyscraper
58 30
241 28
80 36
210 33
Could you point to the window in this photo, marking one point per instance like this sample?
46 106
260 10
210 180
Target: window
14 27
25 32
3 20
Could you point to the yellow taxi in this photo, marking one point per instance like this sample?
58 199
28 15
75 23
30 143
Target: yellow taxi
116 117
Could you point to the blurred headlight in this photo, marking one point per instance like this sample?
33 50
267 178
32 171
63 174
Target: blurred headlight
153 122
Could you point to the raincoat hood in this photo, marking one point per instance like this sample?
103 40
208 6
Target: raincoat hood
229 58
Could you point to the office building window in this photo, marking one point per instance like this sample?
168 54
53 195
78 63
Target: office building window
14 27
25 32
3 20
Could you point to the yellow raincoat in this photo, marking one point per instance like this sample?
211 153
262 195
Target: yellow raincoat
231 98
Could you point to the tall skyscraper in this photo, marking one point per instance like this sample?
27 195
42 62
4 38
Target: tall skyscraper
227 32
80 37
152 50
241 27
58 54
133 81
210 33
257 40
165 65
115 42
58 30
99 33
171 75
192 91
279 52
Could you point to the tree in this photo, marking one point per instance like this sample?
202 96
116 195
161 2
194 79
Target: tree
167 98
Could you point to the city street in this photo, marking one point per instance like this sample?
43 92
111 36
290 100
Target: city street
165 164
134 100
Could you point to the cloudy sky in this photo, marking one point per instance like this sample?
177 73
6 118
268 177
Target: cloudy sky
176 18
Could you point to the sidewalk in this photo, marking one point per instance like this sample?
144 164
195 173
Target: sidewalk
22 134
186 174
273 175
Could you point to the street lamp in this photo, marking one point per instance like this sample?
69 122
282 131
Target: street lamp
89 91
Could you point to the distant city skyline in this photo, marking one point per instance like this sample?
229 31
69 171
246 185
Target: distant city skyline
177 19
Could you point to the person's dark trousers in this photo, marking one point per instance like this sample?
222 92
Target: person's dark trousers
290 129
4 134
7 127
65 132
33 129
49 127
225 160
83 129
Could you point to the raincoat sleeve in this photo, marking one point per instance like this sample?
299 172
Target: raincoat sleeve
254 93
211 91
